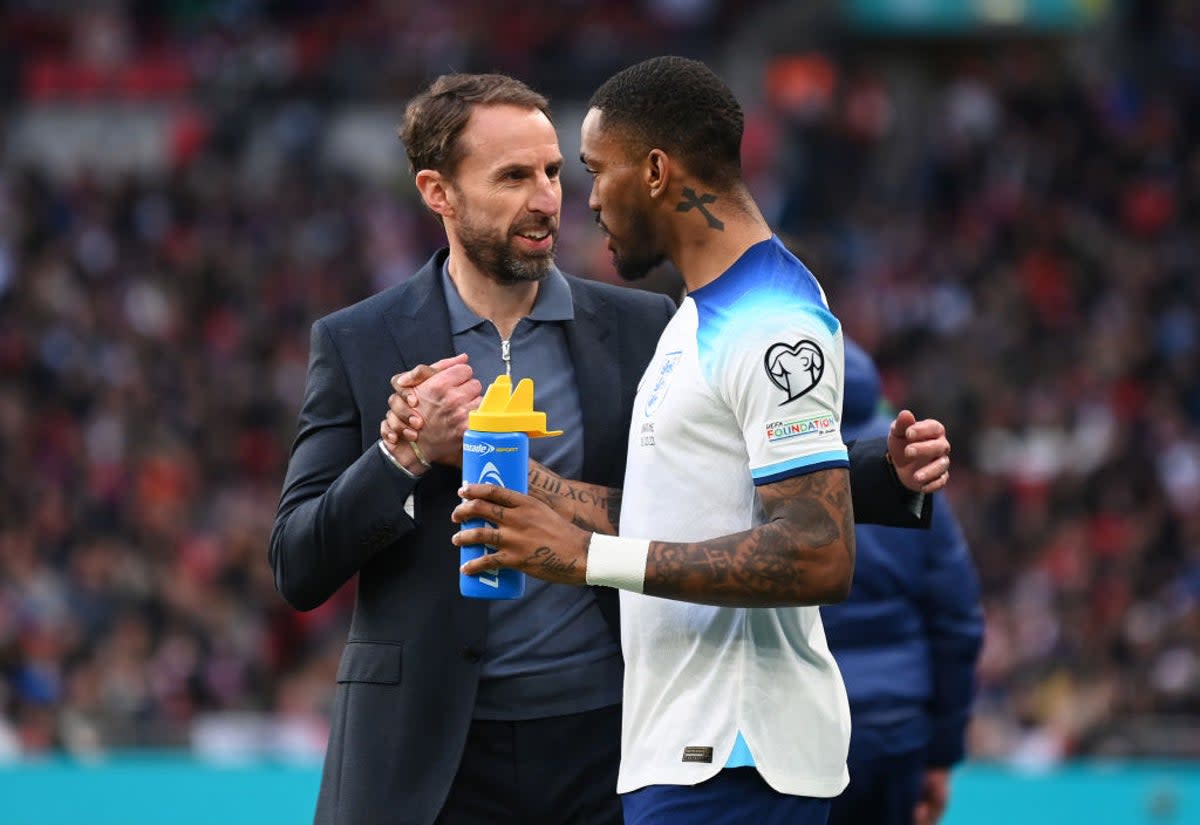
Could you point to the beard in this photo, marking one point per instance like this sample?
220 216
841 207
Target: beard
497 255
635 267
635 254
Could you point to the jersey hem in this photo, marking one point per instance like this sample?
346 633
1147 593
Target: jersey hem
820 788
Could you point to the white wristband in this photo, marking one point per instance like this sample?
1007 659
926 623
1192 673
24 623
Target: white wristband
616 562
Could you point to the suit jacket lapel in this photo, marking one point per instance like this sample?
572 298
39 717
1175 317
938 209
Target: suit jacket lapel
419 320
597 379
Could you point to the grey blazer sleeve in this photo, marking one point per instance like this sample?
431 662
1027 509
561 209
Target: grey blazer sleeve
878 496
340 504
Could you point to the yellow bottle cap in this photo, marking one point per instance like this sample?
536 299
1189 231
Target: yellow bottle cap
505 410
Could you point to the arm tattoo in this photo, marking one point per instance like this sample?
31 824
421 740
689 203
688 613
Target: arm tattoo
543 486
802 555
614 509
586 505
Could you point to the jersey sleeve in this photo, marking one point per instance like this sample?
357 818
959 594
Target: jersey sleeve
781 374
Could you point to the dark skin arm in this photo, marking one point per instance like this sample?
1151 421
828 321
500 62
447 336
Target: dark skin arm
803 554
591 507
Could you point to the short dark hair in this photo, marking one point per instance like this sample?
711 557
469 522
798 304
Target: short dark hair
680 106
435 118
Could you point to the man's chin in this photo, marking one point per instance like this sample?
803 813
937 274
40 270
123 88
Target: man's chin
541 265
530 269
634 270
537 265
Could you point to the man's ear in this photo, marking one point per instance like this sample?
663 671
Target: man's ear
435 191
657 173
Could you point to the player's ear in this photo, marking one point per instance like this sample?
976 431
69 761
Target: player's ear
657 173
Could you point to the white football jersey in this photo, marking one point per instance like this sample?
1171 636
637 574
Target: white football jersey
745 388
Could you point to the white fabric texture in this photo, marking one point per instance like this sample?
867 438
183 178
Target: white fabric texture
745 389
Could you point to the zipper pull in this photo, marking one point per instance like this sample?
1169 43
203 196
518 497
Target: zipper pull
506 356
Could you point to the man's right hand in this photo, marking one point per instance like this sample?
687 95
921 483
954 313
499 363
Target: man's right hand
935 796
429 407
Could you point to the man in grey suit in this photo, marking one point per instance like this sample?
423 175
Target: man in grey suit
454 710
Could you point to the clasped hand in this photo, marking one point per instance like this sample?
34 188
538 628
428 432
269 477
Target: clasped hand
432 403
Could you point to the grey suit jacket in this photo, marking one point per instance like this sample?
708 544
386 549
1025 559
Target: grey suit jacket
409 673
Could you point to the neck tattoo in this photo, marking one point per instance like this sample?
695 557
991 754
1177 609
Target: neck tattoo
692 200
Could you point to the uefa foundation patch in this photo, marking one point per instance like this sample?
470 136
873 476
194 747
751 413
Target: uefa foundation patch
800 427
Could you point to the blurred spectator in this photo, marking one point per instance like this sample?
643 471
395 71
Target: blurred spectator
1024 215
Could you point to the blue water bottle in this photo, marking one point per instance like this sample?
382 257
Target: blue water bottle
496 451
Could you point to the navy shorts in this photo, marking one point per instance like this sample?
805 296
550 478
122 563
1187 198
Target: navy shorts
735 796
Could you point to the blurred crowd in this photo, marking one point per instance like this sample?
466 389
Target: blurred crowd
331 50
1011 228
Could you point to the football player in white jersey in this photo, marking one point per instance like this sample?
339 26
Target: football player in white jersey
735 520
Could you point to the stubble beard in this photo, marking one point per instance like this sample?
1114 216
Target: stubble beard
636 268
641 255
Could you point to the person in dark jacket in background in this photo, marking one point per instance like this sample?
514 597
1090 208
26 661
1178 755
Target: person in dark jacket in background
906 640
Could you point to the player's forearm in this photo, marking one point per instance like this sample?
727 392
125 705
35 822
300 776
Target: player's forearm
769 566
804 555
590 506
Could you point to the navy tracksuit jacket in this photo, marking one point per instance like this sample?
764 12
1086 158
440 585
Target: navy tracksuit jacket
907 639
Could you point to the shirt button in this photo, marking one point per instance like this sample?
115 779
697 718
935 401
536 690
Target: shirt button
472 654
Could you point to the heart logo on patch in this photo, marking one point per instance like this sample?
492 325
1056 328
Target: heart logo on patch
794 368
